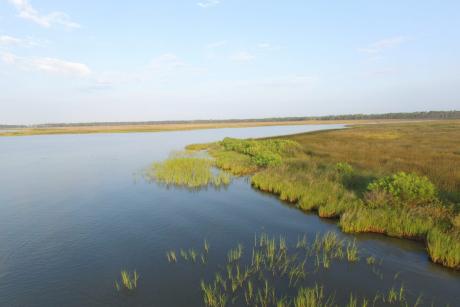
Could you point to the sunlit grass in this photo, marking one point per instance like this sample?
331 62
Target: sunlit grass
388 179
128 280
188 171
235 254
281 274
171 256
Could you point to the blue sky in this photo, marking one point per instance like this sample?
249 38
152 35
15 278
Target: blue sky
75 61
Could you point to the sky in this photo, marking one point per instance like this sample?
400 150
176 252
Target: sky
87 61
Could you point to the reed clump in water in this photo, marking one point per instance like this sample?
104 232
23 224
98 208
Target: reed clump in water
128 280
277 273
388 179
188 171
171 256
312 297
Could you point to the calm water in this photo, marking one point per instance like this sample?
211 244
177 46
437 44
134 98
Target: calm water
73 212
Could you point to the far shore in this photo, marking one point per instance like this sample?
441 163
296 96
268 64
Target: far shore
132 128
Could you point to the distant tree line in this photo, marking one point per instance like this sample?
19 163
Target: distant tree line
12 126
413 115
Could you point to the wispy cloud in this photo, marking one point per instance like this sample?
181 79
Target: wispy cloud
6 40
28 12
208 3
384 44
166 68
242 56
48 65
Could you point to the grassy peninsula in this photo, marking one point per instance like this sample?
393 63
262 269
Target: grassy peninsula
176 125
402 180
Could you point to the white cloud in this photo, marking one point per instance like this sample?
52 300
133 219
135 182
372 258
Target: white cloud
208 3
167 69
27 11
383 44
242 56
48 65
6 40
9 40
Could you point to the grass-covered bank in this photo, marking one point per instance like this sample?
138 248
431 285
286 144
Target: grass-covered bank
401 180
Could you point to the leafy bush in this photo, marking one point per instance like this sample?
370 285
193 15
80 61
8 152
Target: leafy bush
344 168
406 188
263 152
267 158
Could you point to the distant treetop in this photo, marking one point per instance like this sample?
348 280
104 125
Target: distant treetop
413 115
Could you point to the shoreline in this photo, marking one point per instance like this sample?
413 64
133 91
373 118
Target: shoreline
190 126
307 174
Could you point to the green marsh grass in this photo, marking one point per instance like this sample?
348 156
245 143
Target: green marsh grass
352 252
171 256
370 260
192 254
235 254
444 247
128 280
390 179
314 296
282 274
188 171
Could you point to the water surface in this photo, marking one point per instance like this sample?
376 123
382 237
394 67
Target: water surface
73 213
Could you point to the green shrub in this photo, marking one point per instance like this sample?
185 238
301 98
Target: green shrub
344 168
404 187
236 163
267 158
262 152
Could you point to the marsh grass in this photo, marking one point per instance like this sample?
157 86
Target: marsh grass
235 254
171 256
280 274
391 179
352 251
188 171
425 148
128 280
371 260
444 247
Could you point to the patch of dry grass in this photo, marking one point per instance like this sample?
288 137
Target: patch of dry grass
130 128
430 149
